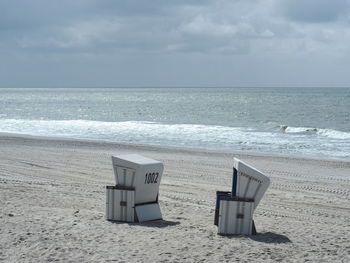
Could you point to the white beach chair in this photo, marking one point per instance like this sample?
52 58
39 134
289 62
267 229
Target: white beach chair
134 198
234 210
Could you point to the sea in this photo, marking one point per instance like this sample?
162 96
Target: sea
306 122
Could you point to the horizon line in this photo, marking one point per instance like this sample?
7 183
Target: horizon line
160 87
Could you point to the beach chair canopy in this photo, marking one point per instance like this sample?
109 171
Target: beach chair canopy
248 182
139 173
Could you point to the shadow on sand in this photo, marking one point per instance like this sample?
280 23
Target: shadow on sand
159 223
156 223
267 237
270 237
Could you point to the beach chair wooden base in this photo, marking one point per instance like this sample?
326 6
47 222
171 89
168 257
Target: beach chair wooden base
236 217
120 206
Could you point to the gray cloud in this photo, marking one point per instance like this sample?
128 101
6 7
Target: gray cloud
163 26
143 7
140 35
315 10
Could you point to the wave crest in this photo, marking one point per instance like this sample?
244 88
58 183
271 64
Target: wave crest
330 133
290 129
292 140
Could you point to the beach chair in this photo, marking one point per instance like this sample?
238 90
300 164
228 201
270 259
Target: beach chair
234 210
134 197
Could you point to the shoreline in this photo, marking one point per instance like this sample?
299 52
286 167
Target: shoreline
52 194
98 142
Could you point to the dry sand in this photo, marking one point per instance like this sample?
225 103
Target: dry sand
52 194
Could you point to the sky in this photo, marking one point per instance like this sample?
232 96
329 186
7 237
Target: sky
128 43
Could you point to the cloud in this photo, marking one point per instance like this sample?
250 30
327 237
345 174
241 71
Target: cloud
81 34
143 7
174 31
315 11
222 26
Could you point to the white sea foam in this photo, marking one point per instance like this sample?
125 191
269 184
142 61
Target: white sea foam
134 129
289 129
330 133
294 140
334 134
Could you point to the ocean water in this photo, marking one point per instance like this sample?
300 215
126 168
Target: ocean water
313 122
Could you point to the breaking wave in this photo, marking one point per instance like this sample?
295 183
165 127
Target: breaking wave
330 133
285 140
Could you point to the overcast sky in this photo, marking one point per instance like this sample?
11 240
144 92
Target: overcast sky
63 43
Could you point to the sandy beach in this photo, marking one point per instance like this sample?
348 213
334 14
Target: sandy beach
52 195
